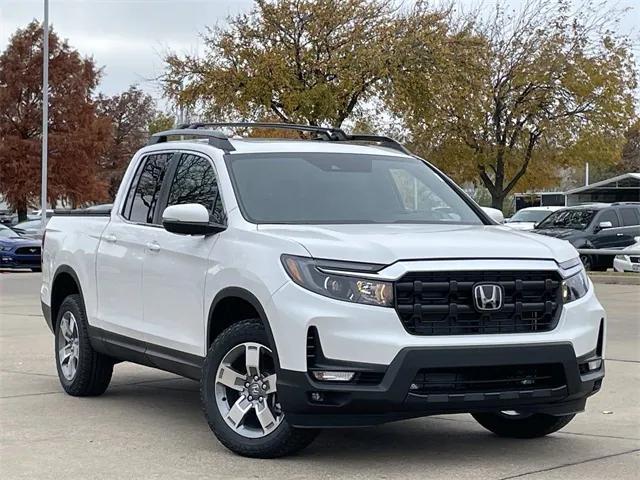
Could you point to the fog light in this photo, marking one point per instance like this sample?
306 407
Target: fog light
317 397
330 376
595 364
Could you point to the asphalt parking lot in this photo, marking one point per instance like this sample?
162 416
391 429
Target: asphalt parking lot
149 423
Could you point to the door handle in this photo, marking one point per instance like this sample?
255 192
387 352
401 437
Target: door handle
619 234
109 238
153 246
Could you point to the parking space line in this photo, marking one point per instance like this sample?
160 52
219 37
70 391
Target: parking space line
520 475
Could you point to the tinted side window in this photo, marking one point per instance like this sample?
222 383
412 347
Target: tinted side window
609 216
195 182
141 206
629 216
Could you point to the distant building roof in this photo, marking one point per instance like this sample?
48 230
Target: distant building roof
627 180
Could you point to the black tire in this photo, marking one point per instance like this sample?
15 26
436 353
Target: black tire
587 262
94 370
285 439
526 426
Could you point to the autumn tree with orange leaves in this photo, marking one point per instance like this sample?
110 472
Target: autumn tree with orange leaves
78 136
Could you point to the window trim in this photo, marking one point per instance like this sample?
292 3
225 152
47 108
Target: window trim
168 181
136 178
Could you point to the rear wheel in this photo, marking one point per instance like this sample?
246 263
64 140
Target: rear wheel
518 425
82 371
239 395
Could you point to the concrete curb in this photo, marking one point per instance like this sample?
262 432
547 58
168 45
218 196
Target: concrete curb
615 278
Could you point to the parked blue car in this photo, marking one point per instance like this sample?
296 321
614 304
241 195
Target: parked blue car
17 251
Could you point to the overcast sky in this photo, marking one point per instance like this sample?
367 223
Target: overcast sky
127 37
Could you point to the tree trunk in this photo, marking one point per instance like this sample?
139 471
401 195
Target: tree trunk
497 201
22 214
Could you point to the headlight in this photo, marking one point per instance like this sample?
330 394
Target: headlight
575 287
4 249
306 273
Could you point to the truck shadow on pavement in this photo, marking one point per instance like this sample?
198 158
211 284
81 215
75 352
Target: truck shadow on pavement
448 441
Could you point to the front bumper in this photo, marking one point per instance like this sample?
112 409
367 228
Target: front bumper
12 260
360 405
369 334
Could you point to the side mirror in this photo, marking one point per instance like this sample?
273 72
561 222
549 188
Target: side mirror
189 219
495 214
604 225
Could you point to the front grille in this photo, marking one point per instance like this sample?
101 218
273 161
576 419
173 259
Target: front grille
441 303
26 261
634 259
507 378
28 251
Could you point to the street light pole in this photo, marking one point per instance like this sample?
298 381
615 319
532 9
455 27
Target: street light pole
45 113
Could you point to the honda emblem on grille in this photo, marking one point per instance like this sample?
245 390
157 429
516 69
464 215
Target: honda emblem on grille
488 297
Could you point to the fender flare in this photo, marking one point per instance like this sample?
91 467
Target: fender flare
70 271
246 295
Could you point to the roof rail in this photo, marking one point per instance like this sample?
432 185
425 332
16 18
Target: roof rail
216 138
221 140
380 140
327 133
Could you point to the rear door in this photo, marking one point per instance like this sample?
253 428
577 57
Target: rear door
630 225
175 271
122 249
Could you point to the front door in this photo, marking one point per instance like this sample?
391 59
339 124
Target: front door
606 237
176 266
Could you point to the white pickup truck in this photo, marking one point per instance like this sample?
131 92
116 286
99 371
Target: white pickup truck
315 283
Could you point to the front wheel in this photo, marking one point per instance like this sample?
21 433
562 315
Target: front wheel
587 262
518 425
239 395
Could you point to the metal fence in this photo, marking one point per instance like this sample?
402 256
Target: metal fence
608 251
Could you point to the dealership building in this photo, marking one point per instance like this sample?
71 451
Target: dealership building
623 188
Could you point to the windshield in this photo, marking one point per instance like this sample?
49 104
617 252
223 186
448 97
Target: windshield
575 219
6 232
343 188
530 216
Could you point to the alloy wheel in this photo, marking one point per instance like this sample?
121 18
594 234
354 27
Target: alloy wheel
245 390
68 346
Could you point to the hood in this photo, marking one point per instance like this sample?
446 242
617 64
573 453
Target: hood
562 233
386 244
19 242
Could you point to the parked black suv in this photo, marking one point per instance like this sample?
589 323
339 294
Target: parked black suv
595 226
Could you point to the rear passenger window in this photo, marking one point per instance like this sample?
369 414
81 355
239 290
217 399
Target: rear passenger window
609 216
195 182
142 199
629 216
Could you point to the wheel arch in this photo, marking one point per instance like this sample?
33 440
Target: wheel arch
65 282
236 297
